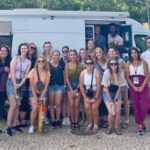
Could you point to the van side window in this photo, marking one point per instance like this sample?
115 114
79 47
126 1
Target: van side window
140 42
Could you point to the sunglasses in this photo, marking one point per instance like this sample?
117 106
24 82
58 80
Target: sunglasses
113 64
89 63
33 47
40 61
65 51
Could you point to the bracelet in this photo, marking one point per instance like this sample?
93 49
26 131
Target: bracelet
95 98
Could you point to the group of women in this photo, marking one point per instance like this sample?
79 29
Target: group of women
99 83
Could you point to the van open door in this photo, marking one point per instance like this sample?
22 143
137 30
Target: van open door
126 33
6 33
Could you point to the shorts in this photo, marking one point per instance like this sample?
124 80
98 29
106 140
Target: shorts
30 94
9 87
56 88
105 98
74 85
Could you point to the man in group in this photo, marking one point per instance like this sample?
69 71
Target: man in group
114 39
146 57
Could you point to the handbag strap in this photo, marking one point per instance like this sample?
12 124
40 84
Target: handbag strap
91 86
38 76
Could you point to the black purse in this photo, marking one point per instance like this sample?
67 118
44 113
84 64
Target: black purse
90 92
39 84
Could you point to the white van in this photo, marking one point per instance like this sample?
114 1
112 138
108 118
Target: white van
72 28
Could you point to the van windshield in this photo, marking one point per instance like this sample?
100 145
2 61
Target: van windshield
140 42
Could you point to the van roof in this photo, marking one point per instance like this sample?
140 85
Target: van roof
35 12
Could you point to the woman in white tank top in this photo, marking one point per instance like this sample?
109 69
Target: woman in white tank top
91 101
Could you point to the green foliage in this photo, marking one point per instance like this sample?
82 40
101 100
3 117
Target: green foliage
137 8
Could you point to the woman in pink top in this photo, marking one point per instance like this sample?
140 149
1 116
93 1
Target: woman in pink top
19 69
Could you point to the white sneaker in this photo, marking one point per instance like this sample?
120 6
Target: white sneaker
68 121
31 129
64 122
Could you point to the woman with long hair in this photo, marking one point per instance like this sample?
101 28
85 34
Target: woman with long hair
112 81
99 58
72 72
4 71
56 88
90 86
16 89
40 73
47 50
138 76
112 52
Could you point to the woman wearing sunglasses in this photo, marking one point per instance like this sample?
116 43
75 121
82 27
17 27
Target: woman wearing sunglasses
38 93
137 76
112 52
90 81
113 78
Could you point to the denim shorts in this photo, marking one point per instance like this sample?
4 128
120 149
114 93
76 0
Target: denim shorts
9 87
56 88
105 97
74 85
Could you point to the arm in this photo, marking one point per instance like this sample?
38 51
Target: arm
98 85
31 77
146 77
46 86
66 77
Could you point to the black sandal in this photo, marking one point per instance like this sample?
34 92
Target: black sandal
77 126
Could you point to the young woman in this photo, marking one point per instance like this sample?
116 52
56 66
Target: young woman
113 78
39 73
4 71
72 72
137 76
83 56
88 77
101 66
112 52
65 106
24 108
56 88
19 69
47 50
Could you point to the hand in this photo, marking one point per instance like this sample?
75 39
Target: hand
6 69
87 100
93 100
73 93
135 89
140 89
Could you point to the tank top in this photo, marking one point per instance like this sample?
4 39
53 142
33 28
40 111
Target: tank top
21 68
73 75
138 70
88 78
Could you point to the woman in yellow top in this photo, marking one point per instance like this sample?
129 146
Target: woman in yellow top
39 80
72 72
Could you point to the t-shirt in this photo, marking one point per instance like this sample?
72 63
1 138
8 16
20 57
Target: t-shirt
106 80
114 41
146 57
100 41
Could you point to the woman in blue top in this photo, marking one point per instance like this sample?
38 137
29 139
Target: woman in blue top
56 88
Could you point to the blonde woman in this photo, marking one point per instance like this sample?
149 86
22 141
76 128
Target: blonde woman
39 74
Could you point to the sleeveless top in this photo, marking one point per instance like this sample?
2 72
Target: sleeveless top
21 68
88 78
73 75
136 70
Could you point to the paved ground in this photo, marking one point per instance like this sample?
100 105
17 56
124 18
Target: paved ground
62 139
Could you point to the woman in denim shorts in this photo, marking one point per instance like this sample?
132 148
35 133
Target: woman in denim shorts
112 81
39 73
19 69
56 88
72 72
